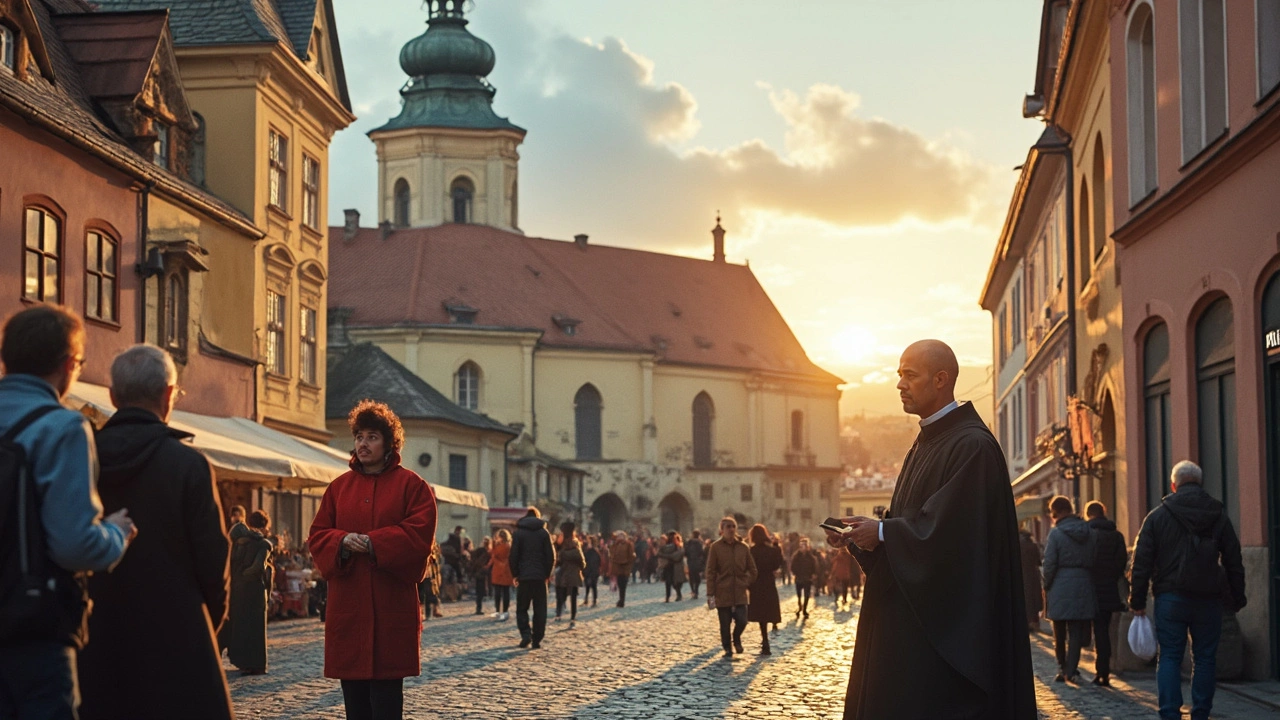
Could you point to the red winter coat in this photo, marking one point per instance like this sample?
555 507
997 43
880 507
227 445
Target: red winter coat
397 510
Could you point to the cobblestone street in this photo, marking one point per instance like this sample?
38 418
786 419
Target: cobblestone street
648 660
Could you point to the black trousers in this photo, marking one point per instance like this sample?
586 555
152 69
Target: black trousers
1102 635
567 593
622 590
482 589
373 699
738 615
531 592
673 585
501 598
1068 638
803 593
38 680
695 579
592 590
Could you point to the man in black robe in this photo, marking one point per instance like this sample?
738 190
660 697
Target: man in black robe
943 630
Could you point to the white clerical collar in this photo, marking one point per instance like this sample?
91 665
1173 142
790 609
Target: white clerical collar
940 414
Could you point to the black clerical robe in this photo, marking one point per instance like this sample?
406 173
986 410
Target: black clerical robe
942 632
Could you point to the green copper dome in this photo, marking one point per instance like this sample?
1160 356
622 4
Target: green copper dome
447 66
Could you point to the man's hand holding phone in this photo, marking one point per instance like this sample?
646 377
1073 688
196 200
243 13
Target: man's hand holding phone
857 529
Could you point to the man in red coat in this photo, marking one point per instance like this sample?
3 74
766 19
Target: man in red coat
371 539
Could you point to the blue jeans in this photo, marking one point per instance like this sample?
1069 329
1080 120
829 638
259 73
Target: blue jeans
38 682
1175 614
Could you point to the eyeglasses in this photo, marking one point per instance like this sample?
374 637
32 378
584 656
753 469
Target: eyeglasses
77 359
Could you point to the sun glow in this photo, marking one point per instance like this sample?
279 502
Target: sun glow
854 344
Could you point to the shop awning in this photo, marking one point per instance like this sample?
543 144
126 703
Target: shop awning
1032 506
243 450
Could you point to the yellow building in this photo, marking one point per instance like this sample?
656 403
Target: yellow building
673 382
266 84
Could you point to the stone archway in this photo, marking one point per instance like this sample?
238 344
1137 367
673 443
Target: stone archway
676 513
609 513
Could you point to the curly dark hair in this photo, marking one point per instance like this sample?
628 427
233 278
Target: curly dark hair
373 415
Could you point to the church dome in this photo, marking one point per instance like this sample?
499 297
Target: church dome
447 48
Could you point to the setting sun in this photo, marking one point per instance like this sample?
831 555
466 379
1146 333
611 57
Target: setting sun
854 344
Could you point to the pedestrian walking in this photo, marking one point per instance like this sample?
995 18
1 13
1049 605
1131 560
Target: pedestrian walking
429 587
673 554
372 538
452 553
695 558
1032 581
1188 553
532 561
591 572
1108 567
500 574
481 562
804 565
622 558
1070 600
844 575
570 566
175 577
641 547
943 607
51 448
764 606
252 577
730 572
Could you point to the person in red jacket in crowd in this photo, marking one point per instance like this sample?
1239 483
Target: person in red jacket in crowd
371 539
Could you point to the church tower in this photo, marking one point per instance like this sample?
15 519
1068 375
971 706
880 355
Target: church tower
447 157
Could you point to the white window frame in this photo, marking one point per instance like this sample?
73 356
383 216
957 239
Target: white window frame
466 386
1198 128
8 48
1144 167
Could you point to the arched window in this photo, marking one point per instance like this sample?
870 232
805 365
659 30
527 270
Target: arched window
175 315
1268 14
461 192
1216 404
466 386
42 257
704 417
1202 32
1099 198
1084 231
8 48
1140 62
1157 413
401 199
586 422
797 430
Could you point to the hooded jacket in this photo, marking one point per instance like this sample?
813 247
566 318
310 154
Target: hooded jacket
175 577
1068 571
532 555
1160 547
1108 565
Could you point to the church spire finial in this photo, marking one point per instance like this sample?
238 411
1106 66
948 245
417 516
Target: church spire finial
445 8
717 236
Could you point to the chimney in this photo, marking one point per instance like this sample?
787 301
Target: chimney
352 224
717 236
384 228
581 240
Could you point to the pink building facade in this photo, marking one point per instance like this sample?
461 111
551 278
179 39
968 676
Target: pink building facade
1196 84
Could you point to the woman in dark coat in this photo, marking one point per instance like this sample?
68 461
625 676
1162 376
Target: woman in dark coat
764 607
570 563
1031 582
804 565
672 555
371 537
252 577
591 572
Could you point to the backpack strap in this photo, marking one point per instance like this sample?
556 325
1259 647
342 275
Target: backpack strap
26 421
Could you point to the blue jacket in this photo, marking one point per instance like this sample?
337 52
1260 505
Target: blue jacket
64 462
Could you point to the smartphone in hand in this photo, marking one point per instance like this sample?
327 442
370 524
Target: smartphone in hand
835 525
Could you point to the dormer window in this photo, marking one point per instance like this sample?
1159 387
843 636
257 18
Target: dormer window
8 48
567 325
162 145
461 313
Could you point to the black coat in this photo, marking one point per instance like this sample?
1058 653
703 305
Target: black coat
804 566
532 555
591 572
1108 564
695 555
944 594
1159 549
764 605
152 652
252 576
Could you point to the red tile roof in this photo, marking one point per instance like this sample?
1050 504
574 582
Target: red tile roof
685 310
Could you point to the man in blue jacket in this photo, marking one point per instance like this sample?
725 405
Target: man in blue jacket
42 351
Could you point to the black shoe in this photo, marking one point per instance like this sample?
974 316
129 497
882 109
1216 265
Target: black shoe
1076 679
737 645
537 645
621 605
1059 678
728 654
806 613
678 598
525 643
764 650
1102 681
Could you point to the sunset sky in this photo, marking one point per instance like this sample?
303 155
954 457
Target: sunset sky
861 151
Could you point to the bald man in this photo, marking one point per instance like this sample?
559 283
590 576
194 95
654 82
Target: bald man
943 632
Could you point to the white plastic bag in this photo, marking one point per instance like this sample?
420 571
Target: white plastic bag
1142 637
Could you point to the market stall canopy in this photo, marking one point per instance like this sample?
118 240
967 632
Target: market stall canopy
243 450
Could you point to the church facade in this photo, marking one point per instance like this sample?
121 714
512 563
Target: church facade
672 383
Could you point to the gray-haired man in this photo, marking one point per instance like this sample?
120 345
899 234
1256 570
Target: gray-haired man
162 605
1178 553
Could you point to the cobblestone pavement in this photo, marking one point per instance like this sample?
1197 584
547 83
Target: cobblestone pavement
649 660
